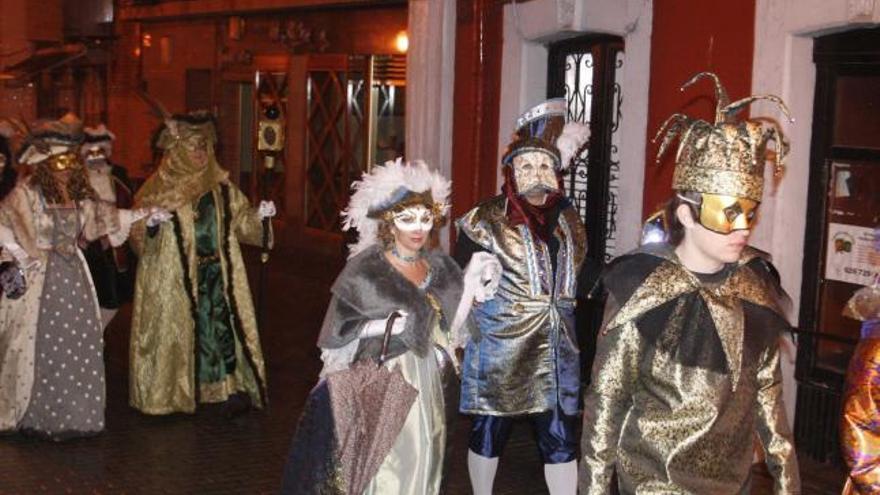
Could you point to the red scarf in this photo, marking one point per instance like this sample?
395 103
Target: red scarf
520 211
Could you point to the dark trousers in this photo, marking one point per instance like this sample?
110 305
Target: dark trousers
554 432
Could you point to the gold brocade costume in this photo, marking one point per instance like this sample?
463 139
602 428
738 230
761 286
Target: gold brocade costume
860 420
686 372
162 352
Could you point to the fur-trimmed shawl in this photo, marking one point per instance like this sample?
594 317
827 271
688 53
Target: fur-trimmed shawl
369 288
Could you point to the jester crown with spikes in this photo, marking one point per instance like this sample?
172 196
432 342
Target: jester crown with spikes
727 157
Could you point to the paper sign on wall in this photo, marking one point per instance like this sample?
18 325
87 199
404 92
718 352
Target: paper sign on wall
851 254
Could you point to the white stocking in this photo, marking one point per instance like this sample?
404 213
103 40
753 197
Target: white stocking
482 472
561 478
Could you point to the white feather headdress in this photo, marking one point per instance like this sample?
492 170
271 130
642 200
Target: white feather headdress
574 136
383 188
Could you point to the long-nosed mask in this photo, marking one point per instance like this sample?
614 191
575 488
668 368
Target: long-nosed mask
534 172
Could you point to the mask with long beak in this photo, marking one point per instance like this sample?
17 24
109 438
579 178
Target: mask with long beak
534 173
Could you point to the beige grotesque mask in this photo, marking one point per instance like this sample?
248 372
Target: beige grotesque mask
534 173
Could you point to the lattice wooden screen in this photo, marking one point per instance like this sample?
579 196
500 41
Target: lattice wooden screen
335 136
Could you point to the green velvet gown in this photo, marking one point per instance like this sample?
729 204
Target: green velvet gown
215 333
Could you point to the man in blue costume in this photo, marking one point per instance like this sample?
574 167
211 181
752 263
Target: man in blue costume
523 363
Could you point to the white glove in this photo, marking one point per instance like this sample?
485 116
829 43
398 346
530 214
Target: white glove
157 217
24 260
482 275
266 209
376 328
131 216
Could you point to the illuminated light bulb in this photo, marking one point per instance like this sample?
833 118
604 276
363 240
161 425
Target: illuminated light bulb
401 42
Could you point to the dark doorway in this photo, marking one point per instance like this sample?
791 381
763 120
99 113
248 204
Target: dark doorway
588 71
843 208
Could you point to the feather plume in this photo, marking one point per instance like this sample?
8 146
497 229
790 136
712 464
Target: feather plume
155 105
377 189
574 137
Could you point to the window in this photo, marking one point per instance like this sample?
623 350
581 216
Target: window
588 72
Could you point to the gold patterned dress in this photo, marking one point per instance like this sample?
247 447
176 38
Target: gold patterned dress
860 421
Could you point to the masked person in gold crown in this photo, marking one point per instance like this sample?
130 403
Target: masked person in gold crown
523 363
194 333
687 365
51 337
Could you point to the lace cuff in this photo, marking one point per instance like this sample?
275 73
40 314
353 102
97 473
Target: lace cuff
338 359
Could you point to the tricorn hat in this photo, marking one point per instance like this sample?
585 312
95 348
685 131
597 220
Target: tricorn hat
543 128
51 137
387 187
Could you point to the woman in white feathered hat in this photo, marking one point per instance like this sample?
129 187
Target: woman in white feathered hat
391 269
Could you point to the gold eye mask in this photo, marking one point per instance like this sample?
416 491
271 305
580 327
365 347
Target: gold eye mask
195 143
725 214
64 161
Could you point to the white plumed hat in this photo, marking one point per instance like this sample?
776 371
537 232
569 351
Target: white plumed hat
387 186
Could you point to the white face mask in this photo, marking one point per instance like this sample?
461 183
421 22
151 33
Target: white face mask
533 172
95 156
414 219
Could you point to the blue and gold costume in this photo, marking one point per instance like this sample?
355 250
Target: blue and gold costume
526 358
524 362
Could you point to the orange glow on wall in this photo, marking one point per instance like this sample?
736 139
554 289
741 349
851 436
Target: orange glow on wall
165 50
147 40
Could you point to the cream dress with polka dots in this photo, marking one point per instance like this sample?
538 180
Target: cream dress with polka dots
67 398
51 343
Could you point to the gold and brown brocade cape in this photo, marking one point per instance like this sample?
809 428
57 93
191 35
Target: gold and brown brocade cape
686 373
162 350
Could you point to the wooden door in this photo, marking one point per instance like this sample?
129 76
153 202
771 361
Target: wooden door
327 148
